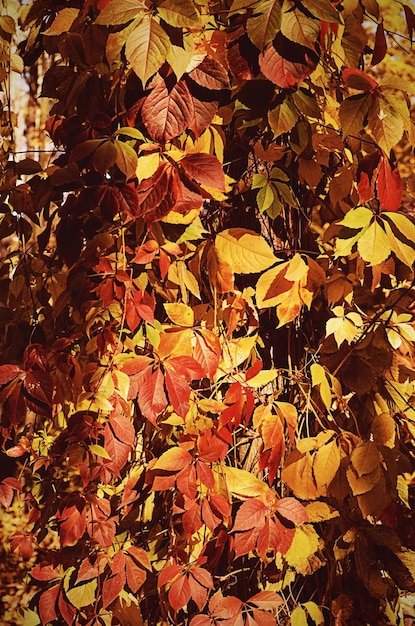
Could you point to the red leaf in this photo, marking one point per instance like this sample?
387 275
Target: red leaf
151 397
202 576
205 474
186 366
178 391
208 517
45 572
381 46
9 373
198 592
228 608
204 112
140 556
169 573
246 542
191 519
220 504
135 364
207 351
112 588
66 609
263 619
72 524
205 169
87 571
365 188
357 79
180 593
167 112
173 460
135 575
389 186
211 448
47 604
38 390
22 542
123 429
117 450
251 514
292 510
282 72
158 195
268 541
186 481
266 600
202 620
210 74
8 486
410 20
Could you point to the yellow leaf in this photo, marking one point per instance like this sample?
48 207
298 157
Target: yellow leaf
326 463
99 451
298 475
373 245
244 484
147 164
122 383
320 512
180 313
235 352
62 22
314 612
305 544
319 379
262 378
297 269
245 251
28 618
298 617
147 48
357 218
384 430
82 595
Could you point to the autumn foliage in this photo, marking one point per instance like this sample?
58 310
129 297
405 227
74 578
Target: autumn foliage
206 314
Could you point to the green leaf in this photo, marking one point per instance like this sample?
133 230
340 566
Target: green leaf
120 12
245 251
82 595
179 13
259 181
265 197
264 24
352 113
147 47
283 118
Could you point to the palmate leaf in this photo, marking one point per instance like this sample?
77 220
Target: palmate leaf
147 47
